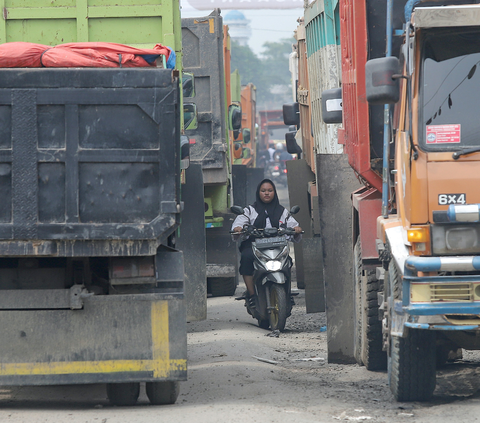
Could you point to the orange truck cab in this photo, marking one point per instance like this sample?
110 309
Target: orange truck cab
427 279
432 300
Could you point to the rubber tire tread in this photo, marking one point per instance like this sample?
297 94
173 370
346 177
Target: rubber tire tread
123 394
264 324
222 287
412 370
282 307
162 393
372 355
357 298
413 367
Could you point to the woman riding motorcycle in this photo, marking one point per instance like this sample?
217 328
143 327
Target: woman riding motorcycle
266 212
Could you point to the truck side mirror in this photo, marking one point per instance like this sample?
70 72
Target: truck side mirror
291 114
234 117
188 84
382 85
292 146
332 106
237 150
184 152
190 119
246 135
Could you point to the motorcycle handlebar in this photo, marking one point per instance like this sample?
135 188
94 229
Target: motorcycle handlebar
259 232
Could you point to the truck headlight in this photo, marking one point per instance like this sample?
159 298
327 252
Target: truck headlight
455 239
461 238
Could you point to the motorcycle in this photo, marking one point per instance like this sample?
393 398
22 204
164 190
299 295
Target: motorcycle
272 275
277 172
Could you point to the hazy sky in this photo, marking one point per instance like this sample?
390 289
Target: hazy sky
266 25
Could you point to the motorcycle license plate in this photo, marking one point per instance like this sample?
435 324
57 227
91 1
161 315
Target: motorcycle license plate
275 173
270 242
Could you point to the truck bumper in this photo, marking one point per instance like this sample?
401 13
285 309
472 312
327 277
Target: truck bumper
447 303
113 338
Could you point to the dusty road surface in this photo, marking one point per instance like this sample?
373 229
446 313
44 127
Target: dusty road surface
289 381
237 373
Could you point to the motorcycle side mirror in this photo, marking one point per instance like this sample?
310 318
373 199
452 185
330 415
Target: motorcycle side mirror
294 209
237 210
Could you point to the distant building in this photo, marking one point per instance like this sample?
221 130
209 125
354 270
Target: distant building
239 27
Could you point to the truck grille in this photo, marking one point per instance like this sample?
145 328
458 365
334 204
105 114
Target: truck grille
451 292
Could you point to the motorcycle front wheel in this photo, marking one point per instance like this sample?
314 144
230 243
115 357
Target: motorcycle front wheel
278 304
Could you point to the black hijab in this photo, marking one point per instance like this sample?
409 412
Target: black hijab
273 209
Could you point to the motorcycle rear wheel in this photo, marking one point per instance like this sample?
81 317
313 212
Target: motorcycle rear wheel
278 304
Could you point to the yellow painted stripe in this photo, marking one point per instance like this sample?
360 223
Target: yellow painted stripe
86 367
212 25
160 338
160 365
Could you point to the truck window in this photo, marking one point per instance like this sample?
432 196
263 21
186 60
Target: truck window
450 81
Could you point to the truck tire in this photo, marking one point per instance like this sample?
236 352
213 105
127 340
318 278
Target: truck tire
221 287
162 393
123 394
278 303
412 359
371 341
357 298
413 365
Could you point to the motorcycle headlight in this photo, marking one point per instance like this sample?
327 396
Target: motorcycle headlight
283 253
273 265
261 256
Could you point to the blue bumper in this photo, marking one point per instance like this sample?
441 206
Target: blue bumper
439 308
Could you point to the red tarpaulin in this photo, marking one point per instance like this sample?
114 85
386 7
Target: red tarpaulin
96 55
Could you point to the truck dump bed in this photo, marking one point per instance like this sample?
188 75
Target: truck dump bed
89 161
364 23
203 56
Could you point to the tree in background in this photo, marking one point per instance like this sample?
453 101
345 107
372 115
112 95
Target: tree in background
269 73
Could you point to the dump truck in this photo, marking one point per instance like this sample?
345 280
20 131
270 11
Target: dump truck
315 67
243 142
92 285
203 43
249 124
408 130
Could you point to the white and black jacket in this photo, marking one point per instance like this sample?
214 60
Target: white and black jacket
249 216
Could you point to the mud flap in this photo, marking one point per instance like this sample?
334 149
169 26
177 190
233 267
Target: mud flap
399 318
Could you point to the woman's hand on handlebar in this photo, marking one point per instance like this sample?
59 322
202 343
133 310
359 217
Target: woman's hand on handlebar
297 229
237 229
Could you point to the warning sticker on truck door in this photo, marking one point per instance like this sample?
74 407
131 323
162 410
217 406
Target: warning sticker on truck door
442 134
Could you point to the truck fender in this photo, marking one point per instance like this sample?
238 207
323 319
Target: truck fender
397 239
